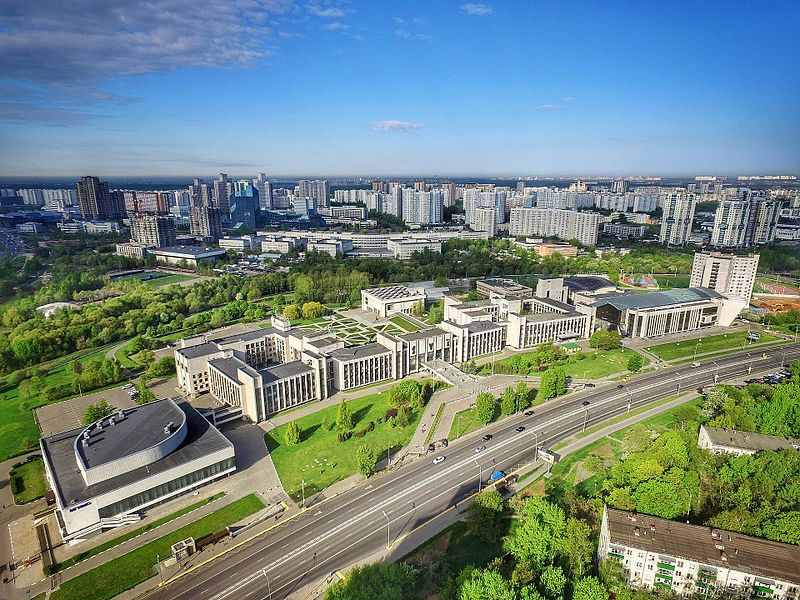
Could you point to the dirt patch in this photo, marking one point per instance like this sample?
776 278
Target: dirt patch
535 489
776 304
605 451
439 547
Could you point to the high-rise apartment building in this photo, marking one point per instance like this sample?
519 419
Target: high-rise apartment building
317 189
153 230
244 205
725 273
485 219
562 224
205 222
264 188
746 221
422 208
31 196
619 186
97 202
200 193
676 220
222 190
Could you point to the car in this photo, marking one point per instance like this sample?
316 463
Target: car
588 385
438 459
480 449
694 365
487 437
431 447
528 413
127 386
585 403
444 442
520 429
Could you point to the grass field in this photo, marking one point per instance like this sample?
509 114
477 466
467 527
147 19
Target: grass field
672 281
401 321
127 571
320 459
726 342
135 532
18 430
464 422
27 482
600 363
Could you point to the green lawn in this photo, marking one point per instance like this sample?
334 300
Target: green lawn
135 532
672 281
725 342
129 570
320 459
600 363
464 422
27 482
401 321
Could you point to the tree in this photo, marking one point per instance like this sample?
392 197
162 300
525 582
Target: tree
436 313
77 367
635 363
552 582
145 395
366 460
541 536
95 412
344 417
486 585
217 319
485 516
605 340
578 547
291 312
485 407
292 434
523 396
387 581
552 383
313 310
589 588
418 309
508 404
162 367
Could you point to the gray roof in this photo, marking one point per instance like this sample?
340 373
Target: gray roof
395 292
230 367
141 428
697 543
421 334
750 441
481 326
283 370
657 299
356 352
59 451
587 283
246 336
199 350
191 251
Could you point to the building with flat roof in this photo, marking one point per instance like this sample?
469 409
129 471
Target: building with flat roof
193 255
725 273
653 314
404 248
688 560
730 441
498 286
105 474
392 299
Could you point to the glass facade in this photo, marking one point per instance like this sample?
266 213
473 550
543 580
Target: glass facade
165 489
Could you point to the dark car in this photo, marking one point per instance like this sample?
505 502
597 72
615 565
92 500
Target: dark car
585 403
431 447
528 413
444 443
520 429
589 385
487 437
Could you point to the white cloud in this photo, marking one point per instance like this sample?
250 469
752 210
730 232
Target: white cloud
394 125
548 107
336 26
476 9
327 12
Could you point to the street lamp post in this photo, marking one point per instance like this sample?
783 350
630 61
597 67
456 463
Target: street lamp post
388 458
303 486
480 475
269 586
585 417
716 372
388 541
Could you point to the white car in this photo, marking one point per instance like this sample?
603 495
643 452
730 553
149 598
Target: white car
480 449
438 459
127 386
694 365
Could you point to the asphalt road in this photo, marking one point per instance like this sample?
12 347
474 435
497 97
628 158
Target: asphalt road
352 526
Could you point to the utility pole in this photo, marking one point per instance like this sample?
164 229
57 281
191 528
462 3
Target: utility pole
388 541
585 417
303 484
269 586
480 475
388 458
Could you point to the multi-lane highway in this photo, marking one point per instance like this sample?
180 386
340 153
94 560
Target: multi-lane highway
356 524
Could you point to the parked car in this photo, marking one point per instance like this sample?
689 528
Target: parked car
444 442
431 447
438 459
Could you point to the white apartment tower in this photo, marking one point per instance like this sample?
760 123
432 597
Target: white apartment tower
725 273
730 224
562 224
485 219
676 221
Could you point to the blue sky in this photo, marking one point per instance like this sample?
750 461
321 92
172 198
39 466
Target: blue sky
176 87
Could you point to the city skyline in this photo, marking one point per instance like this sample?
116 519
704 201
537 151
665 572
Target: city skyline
352 88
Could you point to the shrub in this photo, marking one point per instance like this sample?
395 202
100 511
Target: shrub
343 436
